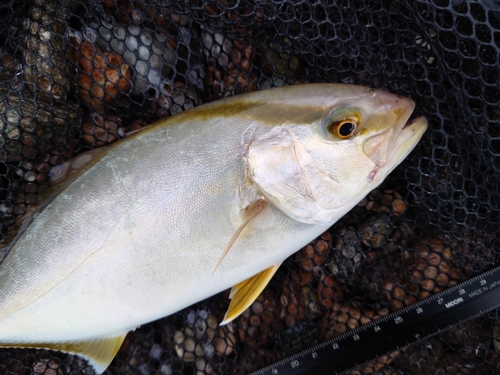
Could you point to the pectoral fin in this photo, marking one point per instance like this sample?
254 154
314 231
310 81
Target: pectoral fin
99 352
243 294
252 211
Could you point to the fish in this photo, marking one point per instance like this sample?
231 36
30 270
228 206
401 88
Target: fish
210 199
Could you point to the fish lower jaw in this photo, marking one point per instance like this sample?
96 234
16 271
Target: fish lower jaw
411 134
414 120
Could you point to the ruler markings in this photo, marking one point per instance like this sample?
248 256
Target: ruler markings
396 330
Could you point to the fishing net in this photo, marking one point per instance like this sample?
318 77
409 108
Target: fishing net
76 75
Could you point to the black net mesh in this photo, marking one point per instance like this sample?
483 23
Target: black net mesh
76 75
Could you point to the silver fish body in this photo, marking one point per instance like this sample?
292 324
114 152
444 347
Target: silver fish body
140 233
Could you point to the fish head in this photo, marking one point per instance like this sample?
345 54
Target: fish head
318 150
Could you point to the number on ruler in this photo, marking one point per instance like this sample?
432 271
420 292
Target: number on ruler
335 346
398 320
420 310
314 355
294 364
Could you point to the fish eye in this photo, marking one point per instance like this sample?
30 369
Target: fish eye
344 129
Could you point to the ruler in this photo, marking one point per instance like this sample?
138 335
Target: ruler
396 330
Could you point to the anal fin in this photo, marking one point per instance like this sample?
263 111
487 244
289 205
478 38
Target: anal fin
246 292
99 352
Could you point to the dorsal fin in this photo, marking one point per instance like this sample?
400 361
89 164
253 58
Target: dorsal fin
64 174
61 176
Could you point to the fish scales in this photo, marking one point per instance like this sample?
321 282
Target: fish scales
140 234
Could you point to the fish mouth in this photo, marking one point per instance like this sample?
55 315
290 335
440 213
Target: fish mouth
390 142
413 121
411 132
409 136
410 121
405 142
407 139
